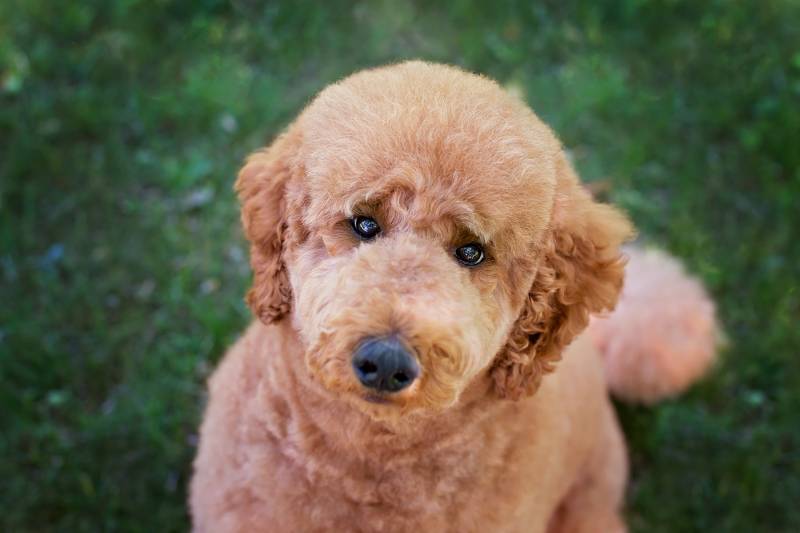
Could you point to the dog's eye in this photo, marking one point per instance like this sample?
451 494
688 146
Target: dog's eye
365 227
470 254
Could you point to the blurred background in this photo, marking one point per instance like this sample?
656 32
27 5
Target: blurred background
122 266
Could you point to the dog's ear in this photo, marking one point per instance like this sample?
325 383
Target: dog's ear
262 189
580 272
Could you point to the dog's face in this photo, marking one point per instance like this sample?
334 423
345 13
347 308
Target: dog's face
424 231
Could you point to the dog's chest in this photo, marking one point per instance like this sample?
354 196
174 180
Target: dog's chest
444 489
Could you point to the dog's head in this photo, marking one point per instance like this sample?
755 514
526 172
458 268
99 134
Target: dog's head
424 231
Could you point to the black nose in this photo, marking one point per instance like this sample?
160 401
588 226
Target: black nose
384 364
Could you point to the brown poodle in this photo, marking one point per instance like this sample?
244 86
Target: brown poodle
423 256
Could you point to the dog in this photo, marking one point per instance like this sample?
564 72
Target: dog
426 262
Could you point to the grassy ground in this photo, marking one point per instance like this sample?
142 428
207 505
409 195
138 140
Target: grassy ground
122 266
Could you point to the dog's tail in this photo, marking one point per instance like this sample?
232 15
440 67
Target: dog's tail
662 336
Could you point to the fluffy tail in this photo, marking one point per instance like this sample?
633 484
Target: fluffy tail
662 336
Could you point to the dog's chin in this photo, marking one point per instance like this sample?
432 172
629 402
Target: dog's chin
406 405
381 407
376 405
377 399
392 410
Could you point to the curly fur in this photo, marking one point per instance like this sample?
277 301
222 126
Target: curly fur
481 441
261 187
581 273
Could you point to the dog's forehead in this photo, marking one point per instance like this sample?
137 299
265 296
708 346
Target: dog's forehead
457 142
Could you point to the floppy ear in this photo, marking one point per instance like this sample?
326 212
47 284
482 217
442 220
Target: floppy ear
580 272
261 187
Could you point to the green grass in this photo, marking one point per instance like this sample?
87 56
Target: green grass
122 267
